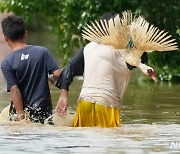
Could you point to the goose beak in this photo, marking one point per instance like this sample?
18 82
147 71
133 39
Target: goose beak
152 74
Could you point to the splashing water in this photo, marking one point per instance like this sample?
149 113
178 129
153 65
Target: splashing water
4 115
62 121
55 118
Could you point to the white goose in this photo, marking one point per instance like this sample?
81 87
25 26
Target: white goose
132 36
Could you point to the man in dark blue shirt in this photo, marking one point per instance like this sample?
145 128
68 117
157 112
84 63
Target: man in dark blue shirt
26 71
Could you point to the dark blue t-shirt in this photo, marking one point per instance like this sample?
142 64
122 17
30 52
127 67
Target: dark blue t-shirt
28 68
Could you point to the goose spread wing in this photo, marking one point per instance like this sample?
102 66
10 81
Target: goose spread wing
117 33
133 35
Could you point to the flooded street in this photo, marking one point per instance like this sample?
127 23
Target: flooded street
150 123
150 114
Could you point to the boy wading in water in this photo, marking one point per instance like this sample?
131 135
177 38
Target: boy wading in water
26 71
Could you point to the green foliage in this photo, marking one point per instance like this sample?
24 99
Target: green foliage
165 15
67 17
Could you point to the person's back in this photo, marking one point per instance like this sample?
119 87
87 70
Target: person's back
29 65
106 75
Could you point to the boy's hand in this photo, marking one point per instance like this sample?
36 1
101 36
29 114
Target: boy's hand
21 116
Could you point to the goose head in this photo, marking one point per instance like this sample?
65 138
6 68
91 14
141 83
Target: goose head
147 70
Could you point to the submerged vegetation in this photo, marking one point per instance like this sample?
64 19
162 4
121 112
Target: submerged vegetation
67 17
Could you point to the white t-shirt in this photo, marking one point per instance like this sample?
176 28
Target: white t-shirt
106 75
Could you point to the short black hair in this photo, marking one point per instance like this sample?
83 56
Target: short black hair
13 27
108 15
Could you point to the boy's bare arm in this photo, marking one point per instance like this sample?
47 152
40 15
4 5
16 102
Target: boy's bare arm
17 101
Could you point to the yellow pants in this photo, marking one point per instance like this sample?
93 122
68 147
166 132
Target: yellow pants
90 114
